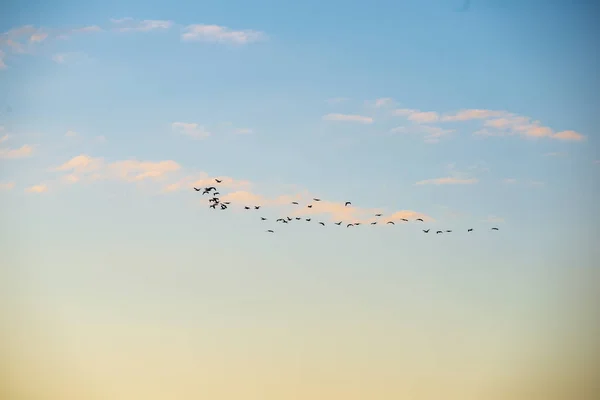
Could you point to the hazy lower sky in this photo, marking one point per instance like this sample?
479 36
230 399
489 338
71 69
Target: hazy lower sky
118 282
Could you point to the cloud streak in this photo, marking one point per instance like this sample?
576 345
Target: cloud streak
220 34
448 181
348 118
192 130
22 152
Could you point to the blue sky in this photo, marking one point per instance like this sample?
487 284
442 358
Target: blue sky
112 111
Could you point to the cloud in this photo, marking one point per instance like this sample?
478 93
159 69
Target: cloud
22 152
432 134
417 116
348 118
220 34
2 64
4 138
190 129
71 134
383 102
243 131
569 135
466 115
147 25
37 189
5 186
448 181
38 37
84 167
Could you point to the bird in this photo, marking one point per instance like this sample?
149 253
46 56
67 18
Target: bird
308 219
347 204
357 223
495 229
279 219
470 230
197 190
378 215
298 218
317 199
390 222
270 231
214 205
309 206
218 181
246 207
349 225
322 223
338 223
404 219
223 206
285 221
426 230
213 200
419 219
374 223
448 231
256 207
263 219
289 219
216 193
227 202
295 202
439 232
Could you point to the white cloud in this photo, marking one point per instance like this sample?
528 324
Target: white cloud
22 152
71 134
220 34
348 118
37 189
417 116
383 102
129 24
192 130
6 186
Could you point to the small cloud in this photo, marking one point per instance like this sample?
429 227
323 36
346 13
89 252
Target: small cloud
38 37
4 138
202 180
509 181
243 131
432 134
383 102
71 134
5 186
220 34
37 189
448 181
348 118
466 115
22 152
492 219
569 136
147 25
417 116
86 29
190 129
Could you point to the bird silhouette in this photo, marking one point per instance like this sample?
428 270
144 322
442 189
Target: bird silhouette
223 207
308 219
439 232
270 231
357 223
419 219
426 230
470 230
216 193
448 231
349 225
285 221
246 207
298 218
309 206
256 207
322 223
213 205
227 202
218 181
294 202
338 223
378 215
374 223
197 190
495 229
289 219
390 222
279 219
317 199
404 219
263 219
347 204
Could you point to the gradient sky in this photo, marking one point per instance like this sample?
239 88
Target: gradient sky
118 282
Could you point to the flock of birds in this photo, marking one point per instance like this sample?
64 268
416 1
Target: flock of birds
214 201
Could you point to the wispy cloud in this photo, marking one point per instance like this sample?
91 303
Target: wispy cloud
71 134
418 116
5 186
448 181
348 118
129 24
220 34
22 152
5 137
383 102
431 134
192 130
37 189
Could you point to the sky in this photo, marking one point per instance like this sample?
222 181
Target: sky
118 281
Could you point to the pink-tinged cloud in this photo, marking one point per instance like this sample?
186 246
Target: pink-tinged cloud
348 118
470 114
220 34
417 115
129 24
22 152
448 181
37 189
383 102
569 136
6 186
192 130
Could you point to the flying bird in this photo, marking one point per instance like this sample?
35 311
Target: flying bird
295 202
448 231
338 223
246 207
214 205
419 219
197 190
270 231
374 223
308 219
218 181
347 204
223 206
279 219
263 219
322 223
317 199
378 215
357 223
227 202
216 193
309 206
426 230
349 225
404 219
470 230
390 222
256 207
439 232
495 229
298 218
289 219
